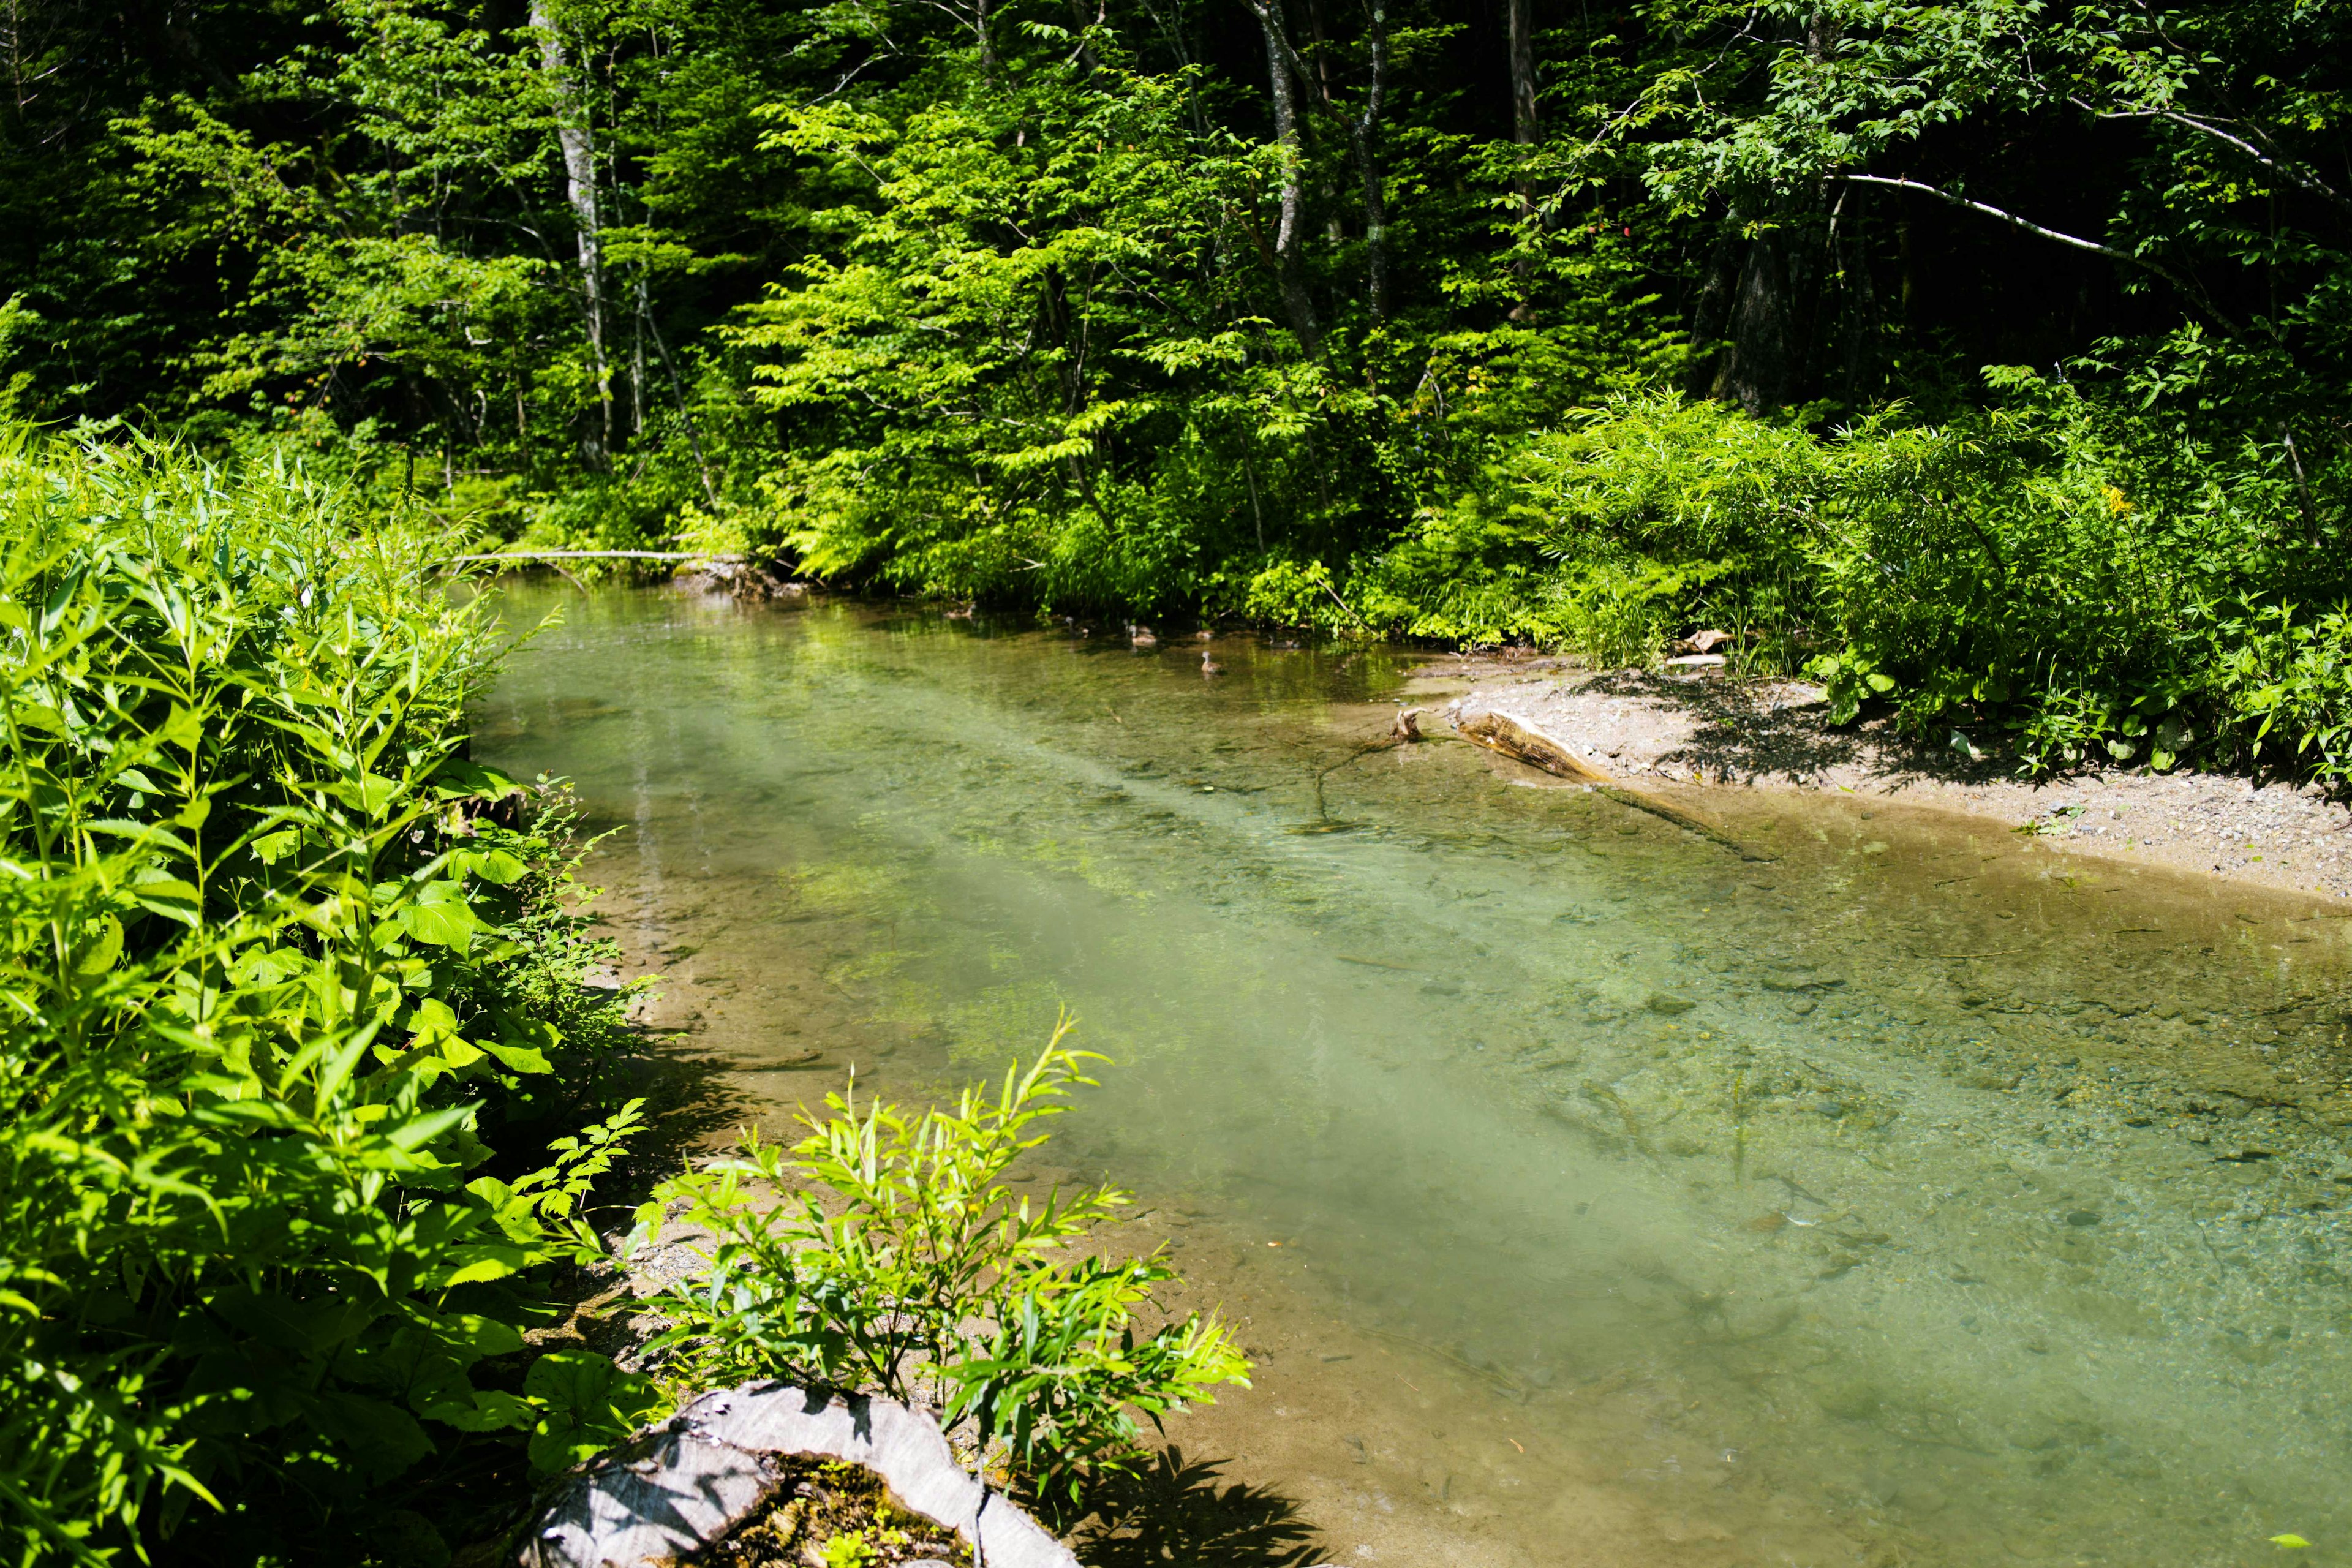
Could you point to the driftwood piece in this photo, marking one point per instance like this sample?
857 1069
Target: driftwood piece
1408 725
1516 737
676 1488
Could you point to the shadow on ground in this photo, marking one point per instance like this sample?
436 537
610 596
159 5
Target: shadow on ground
1176 1511
1749 730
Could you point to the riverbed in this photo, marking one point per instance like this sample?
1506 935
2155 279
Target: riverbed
1906 1191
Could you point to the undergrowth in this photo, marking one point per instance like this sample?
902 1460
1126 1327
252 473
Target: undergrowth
301 1091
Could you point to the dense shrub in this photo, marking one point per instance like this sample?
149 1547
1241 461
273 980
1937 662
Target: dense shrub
274 976
2061 564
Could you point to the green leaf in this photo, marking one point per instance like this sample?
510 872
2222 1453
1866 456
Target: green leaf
487 1411
482 1261
432 1020
522 1058
102 947
586 1404
498 866
371 793
168 897
439 925
456 778
272 848
385 1439
480 1337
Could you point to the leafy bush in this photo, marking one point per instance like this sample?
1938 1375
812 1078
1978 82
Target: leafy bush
2106 583
885 1251
272 971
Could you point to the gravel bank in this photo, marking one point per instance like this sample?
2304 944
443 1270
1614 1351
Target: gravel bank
1700 727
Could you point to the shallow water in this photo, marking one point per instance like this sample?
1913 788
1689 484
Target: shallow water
1913 1193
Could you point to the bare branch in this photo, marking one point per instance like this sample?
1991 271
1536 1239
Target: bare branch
2288 171
2027 225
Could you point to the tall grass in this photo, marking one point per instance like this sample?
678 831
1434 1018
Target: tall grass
274 980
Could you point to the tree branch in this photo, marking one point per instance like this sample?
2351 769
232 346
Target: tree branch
2288 171
2195 294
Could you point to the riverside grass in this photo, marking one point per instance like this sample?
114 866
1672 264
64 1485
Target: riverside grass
301 1091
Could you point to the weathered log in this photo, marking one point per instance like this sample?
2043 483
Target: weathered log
676 1488
1516 737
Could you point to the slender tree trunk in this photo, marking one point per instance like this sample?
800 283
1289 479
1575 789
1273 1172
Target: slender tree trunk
1366 130
1754 370
1289 235
980 37
637 362
580 189
1524 125
1319 81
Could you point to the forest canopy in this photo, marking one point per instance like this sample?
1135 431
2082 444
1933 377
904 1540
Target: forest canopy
1981 354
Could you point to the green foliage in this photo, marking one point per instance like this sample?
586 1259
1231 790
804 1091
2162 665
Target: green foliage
886 1251
2111 580
1029 305
272 973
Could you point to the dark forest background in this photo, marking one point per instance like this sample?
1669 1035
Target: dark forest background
1987 358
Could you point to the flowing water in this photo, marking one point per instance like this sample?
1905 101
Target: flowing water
1913 1193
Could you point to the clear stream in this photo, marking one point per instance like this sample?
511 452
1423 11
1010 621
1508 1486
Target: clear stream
1919 1194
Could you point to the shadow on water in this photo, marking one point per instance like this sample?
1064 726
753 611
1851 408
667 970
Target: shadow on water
1176 1511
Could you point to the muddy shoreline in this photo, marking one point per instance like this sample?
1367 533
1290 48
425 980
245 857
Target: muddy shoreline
1699 728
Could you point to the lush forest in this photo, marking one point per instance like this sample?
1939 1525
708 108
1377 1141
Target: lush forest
1982 356
1991 362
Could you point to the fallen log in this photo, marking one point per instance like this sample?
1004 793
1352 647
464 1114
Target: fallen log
1516 737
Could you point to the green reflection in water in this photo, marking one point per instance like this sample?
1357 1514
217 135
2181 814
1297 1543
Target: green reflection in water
1991 1196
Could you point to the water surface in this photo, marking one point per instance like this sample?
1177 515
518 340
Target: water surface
1918 1195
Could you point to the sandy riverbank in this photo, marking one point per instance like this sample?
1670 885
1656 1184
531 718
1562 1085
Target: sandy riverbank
1702 729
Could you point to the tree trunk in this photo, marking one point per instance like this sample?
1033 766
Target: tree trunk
1524 129
1290 234
1750 371
579 190
1366 130
980 37
1524 125
1774 313
637 362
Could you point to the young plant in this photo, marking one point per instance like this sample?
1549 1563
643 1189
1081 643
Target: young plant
885 1251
